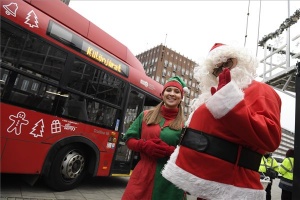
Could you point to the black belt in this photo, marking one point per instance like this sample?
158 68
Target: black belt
220 148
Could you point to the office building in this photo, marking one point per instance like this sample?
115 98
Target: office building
287 142
162 63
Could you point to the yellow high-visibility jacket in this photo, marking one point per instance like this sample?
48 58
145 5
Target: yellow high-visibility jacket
268 163
286 168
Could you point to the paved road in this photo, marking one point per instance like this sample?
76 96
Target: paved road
99 188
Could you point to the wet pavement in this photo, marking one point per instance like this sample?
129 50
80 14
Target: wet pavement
13 187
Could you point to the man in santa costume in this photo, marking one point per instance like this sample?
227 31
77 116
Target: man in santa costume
233 123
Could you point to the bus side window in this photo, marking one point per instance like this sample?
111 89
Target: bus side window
77 109
45 104
18 97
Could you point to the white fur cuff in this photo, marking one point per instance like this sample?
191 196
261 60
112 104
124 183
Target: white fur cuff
206 189
224 100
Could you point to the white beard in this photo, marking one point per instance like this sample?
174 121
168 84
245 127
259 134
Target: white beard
239 74
242 78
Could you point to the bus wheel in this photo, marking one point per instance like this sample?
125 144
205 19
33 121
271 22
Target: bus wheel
68 168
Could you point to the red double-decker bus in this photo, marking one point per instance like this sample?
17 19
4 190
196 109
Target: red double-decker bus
69 91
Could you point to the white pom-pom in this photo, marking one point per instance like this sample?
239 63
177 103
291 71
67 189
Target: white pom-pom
186 90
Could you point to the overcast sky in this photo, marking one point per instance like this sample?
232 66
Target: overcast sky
192 27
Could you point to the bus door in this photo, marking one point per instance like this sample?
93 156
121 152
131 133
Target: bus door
126 159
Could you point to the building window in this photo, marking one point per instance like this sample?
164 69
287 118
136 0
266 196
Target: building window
187 72
166 63
185 109
157 78
24 85
34 86
182 71
164 72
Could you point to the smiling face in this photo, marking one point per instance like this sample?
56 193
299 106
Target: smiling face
171 97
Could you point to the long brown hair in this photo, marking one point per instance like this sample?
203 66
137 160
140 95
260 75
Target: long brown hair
153 116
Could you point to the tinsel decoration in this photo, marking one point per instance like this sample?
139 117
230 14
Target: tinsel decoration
285 25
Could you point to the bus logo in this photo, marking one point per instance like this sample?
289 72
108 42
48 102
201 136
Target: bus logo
145 83
69 127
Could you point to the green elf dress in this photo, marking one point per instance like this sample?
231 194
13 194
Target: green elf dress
146 181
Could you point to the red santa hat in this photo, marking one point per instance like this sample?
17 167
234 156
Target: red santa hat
221 52
218 53
216 45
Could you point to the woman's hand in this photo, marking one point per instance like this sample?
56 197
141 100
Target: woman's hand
150 147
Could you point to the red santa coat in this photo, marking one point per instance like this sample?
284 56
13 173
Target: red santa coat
251 119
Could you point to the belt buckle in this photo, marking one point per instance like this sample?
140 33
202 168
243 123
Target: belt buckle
195 140
202 142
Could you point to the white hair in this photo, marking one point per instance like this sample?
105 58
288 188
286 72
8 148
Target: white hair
243 73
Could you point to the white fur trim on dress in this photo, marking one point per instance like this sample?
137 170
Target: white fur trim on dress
224 100
209 190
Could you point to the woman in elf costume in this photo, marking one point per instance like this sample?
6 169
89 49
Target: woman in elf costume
233 123
155 134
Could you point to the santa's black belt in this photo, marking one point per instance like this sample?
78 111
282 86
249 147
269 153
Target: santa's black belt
220 148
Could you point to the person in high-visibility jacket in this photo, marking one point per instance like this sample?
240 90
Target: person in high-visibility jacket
267 161
286 181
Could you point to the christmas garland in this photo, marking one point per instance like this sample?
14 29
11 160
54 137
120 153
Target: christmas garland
285 25
280 51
